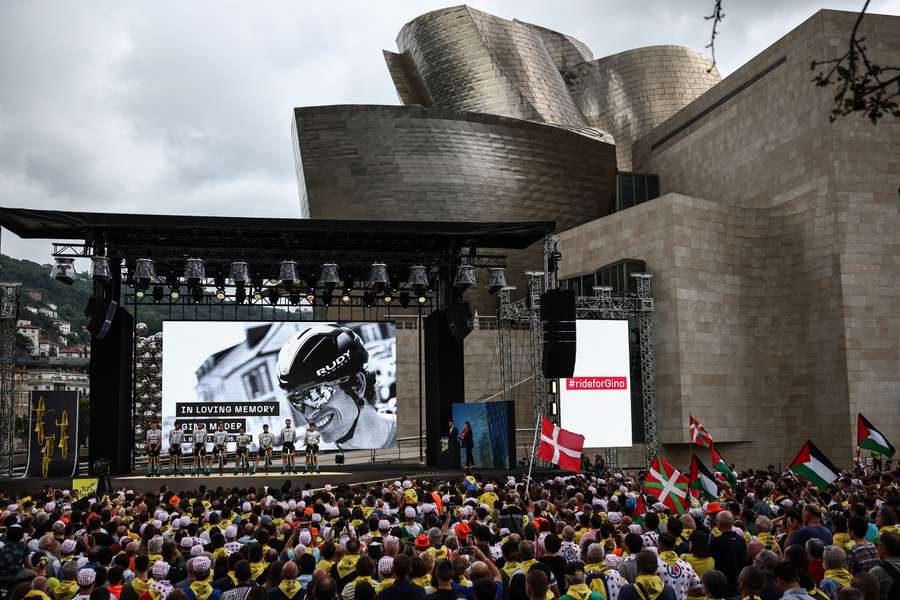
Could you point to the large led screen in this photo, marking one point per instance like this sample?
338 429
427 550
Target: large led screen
596 401
340 376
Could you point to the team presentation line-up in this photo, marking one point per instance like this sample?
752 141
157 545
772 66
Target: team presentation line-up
202 460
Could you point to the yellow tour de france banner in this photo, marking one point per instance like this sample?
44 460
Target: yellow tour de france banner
53 434
84 487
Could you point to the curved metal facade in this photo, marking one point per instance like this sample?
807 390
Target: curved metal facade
630 93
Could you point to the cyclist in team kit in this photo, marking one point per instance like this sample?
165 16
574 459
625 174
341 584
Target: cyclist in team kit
311 439
220 446
154 445
199 440
288 435
266 441
176 438
242 446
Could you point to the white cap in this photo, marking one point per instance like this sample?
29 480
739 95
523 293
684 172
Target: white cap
230 532
384 524
196 550
201 564
246 507
86 577
68 546
406 484
160 570
305 537
409 512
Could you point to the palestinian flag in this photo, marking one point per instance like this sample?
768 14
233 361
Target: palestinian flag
702 480
699 435
812 464
871 439
668 484
723 471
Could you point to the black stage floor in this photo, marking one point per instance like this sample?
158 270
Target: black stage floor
332 474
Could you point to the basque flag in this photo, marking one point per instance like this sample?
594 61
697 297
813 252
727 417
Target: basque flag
560 447
871 439
699 435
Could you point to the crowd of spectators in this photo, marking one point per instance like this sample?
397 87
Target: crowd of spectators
567 537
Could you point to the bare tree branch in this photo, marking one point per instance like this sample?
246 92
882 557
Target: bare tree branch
716 17
862 85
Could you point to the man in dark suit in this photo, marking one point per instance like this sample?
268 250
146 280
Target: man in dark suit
453 442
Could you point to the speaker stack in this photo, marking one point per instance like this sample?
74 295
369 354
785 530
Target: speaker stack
558 319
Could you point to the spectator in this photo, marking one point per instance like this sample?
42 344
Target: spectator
750 583
729 551
862 555
836 576
888 571
815 552
647 584
788 580
715 585
867 584
812 528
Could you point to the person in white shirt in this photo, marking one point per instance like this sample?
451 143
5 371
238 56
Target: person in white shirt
311 439
288 435
199 439
220 445
154 445
242 447
266 441
176 437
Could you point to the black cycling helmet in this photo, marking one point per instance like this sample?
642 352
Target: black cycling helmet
319 354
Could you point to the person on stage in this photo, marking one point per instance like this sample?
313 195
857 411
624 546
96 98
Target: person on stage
242 445
311 439
453 444
288 435
465 438
266 441
324 372
154 445
176 437
220 445
199 439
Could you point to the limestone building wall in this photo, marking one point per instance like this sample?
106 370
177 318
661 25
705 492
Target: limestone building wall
774 255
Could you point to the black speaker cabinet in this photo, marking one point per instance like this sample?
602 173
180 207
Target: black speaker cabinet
558 319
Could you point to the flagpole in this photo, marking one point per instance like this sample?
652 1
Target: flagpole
533 444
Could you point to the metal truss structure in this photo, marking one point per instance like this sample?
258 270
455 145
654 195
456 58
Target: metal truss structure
602 305
9 311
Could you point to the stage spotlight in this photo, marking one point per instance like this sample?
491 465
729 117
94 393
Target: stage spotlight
327 297
345 298
197 294
288 273
311 295
497 280
294 297
100 268
220 295
368 299
257 294
378 277
144 270
404 299
194 271
329 279
63 270
158 293
139 293
240 273
465 278
240 294
174 292
273 296
388 298
421 299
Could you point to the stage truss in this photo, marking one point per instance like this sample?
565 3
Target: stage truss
602 305
9 312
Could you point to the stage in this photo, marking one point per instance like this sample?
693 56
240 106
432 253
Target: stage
358 474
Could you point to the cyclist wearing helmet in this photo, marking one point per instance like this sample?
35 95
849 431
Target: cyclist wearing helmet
323 371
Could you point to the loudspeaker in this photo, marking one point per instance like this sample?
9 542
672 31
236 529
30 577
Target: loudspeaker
112 432
558 318
460 319
444 380
100 314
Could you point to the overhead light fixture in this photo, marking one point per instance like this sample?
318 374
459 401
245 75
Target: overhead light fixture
240 273
404 299
288 273
144 271
329 278
63 270
311 295
345 298
194 271
388 298
240 294
327 297
220 295
197 294
174 292
158 293
418 278
497 279
139 293
100 268
257 294
294 297
465 277
368 299
378 277
273 295
421 299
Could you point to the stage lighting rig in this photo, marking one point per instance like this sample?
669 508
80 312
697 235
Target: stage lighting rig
404 299
257 294
368 299
240 273
418 282
465 278
345 297
329 278
294 298
388 298
64 270
100 268
174 292
273 295
197 294
194 271
240 294
288 274
378 277
221 295
158 293
311 295
497 280
327 297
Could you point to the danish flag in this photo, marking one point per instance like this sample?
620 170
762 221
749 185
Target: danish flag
560 447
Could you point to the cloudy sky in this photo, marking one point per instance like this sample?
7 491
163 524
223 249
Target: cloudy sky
185 107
